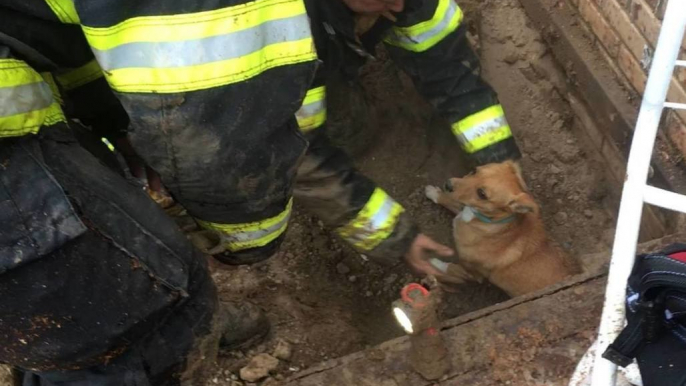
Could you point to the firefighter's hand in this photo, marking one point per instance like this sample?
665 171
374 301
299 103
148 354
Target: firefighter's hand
375 6
136 165
420 252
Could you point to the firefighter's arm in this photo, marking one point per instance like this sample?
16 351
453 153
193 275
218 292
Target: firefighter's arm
429 43
361 213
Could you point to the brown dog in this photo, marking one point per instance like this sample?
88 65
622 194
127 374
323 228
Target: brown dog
499 232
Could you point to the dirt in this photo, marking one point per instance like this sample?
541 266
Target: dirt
326 300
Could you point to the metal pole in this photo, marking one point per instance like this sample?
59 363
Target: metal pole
631 208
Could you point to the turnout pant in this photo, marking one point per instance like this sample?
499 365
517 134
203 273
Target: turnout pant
98 285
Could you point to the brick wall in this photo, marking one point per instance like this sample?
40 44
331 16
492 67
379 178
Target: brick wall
626 32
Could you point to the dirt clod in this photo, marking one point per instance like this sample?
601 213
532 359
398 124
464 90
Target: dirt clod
259 368
561 218
342 269
283 350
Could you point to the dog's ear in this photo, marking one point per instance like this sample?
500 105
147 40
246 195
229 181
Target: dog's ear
518 172
523 203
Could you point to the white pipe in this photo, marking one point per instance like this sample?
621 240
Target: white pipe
672 105
681 63
631 208
664 199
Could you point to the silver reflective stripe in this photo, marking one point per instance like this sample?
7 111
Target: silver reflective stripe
481 129
207 50
378 220
310 109
242 237
439 28
25 98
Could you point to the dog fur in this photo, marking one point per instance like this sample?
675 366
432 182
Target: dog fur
512 251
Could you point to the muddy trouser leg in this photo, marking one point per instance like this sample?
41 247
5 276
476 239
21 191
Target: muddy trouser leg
123 303
329 186
235 181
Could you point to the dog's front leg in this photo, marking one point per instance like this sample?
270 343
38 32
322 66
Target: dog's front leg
439 197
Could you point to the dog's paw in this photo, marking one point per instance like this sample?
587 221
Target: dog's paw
432 193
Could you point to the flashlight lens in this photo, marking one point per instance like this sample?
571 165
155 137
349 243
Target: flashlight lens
404 321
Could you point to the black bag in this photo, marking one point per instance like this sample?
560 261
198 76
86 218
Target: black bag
656 313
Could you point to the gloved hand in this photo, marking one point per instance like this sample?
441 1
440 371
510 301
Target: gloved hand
420 253
136 165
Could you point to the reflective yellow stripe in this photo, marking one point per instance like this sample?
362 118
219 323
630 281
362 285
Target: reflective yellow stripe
206 49
108 144
27 100
54 112
312 113
482 129
422 36
237 237
77 77
374 223
64 10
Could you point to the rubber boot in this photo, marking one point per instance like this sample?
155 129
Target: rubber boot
243 325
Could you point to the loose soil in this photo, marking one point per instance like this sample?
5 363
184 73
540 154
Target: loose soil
326 300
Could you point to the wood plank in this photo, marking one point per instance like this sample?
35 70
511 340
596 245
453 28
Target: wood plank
535 339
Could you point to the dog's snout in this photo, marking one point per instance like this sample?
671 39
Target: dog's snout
448 186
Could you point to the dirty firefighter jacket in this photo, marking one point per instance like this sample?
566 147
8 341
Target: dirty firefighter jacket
165 90
199 120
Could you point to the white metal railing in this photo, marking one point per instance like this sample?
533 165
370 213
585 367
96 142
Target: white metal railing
636 190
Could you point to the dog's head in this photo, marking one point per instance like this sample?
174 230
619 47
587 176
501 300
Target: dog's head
496 190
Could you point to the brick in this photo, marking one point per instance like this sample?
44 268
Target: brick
631 69
676 132
677 93
600 27
647 22
617 16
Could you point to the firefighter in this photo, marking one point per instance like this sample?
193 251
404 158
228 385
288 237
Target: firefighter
220 99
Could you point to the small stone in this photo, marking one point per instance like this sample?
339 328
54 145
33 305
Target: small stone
369 294
282 350
342 269
555 170
560 217
259 368
236 383
352 278
511 58
588 213
390 279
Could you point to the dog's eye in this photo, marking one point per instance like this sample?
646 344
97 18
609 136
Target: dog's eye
482 194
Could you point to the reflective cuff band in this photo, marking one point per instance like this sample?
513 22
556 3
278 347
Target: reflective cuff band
77 77
483 129
312 113
27 100
177 53
374 223
420 37
108 144
64 10
238 237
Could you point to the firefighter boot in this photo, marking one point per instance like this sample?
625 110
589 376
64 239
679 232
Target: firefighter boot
242 325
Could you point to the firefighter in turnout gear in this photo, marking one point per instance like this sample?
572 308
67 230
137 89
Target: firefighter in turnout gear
224 100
